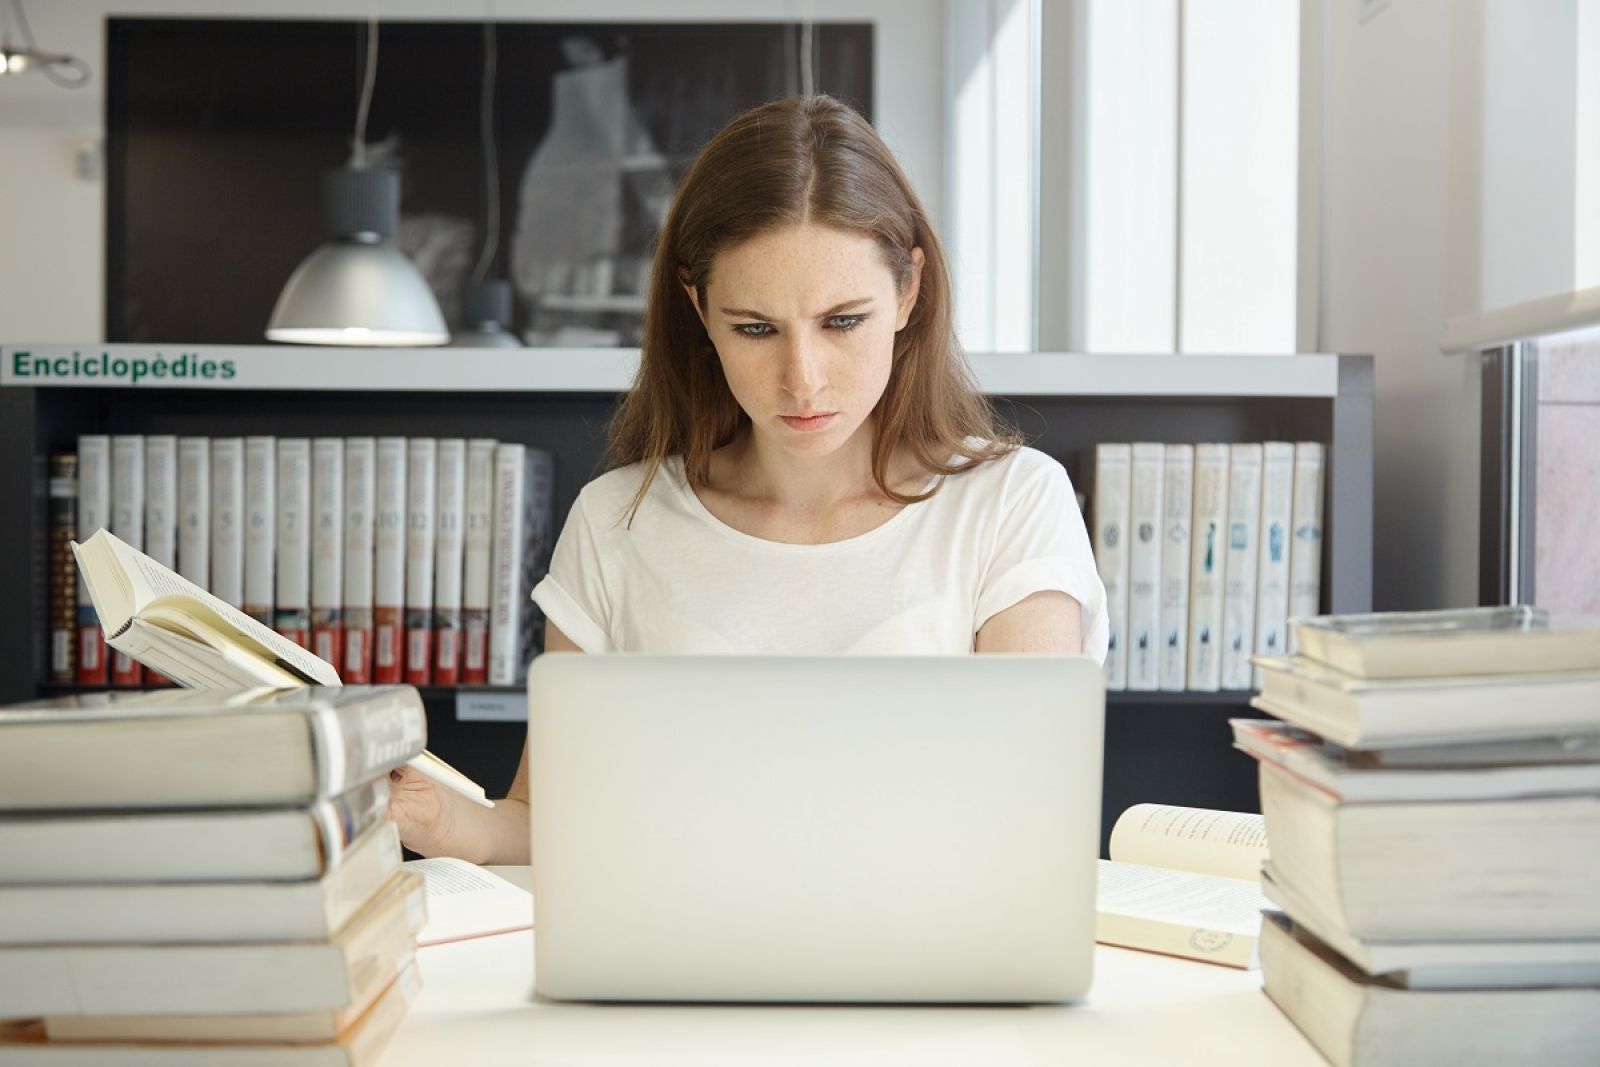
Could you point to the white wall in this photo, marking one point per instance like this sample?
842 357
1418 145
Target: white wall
53 222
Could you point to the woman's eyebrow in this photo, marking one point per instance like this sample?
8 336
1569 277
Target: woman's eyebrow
747 313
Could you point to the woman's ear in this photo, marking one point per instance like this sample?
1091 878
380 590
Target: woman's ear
908 299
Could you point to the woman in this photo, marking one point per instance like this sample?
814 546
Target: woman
803 463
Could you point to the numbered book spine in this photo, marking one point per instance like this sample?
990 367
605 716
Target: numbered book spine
506 600
449 546
422 487
292 599
1177 511
1305 546
1112 473
1272 573
1208 555
327 549
127 522
260 526
539 542
1144 567
478 538
94 513
161 512
1239 587
194 510
389 563
227 520
63 490
360 499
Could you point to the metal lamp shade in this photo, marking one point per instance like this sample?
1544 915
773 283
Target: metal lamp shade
487 306
357 292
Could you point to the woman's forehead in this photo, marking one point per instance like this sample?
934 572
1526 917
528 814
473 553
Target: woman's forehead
823 264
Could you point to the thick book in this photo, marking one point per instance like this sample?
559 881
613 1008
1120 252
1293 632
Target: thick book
1272 573
339 1037
209 979
127 522
260 526
1356 1021
478 546
449 547
197 748
1112 476
1305 544
1374 713
1145 486
1332 768
1518 639
160 511
179 912
1244 555
523 534
1438 870
1182 881
327 549
63 496
181 630
1177 513
1208 539
360 500
94 513
292 592
277 844
1518 963
422 470
227 520
389 562
194 510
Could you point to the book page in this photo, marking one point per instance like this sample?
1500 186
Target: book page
466 901
1230 844
1198 900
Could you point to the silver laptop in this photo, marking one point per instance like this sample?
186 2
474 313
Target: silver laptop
743 828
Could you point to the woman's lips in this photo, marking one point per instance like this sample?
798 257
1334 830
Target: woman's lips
808 423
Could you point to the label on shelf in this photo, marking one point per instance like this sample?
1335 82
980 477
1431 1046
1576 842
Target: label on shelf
474 705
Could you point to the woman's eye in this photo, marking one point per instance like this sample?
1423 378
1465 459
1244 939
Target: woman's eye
845 322
754 329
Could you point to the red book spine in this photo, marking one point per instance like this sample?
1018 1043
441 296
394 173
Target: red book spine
388 645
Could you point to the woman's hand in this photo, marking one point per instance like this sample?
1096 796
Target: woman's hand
420 808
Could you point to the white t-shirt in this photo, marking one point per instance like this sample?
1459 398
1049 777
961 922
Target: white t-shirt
681 580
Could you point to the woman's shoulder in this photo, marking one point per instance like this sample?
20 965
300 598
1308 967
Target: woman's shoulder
1017 466
608 497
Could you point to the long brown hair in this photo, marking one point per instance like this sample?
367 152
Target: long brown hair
799 159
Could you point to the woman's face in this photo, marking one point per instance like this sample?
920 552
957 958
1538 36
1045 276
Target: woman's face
803 319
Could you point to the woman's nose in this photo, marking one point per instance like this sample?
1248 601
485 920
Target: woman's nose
803 374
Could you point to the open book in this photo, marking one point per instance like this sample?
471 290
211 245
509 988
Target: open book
1185 882
467 901
173 626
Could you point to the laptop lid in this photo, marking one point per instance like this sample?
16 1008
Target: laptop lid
730 828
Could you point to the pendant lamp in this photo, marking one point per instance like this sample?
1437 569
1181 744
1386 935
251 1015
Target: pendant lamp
486 309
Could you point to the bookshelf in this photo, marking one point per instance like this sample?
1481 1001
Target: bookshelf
1168 747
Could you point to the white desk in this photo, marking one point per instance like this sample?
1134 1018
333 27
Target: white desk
475 1009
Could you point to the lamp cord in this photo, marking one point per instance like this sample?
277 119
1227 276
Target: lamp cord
491 157
358 147
51 65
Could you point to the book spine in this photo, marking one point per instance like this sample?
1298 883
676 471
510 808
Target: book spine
1144 566
1208 555
389 562
194 510
475 583
260 526
127 522
94 513
1305 546
422 466
358 740
227 520
505 604
1272 574
342 819
327 548
63 491
360 489
1239 587
539 541
292 599
1112 473
161 512
1177 510
450 520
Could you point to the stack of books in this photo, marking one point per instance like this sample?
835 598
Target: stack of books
1431 789
200 877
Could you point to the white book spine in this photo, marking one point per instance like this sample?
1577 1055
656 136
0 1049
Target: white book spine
260 525
1144 566
94 512
161 499
448 550
194 510
1239 587
505 605
1272 574
360 501
1112 463
293 599
1208 555
1305 546
389 562
227 520
478 540
1177 510
327 547
127 522
422 487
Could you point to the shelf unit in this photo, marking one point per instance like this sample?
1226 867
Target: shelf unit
1165 747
